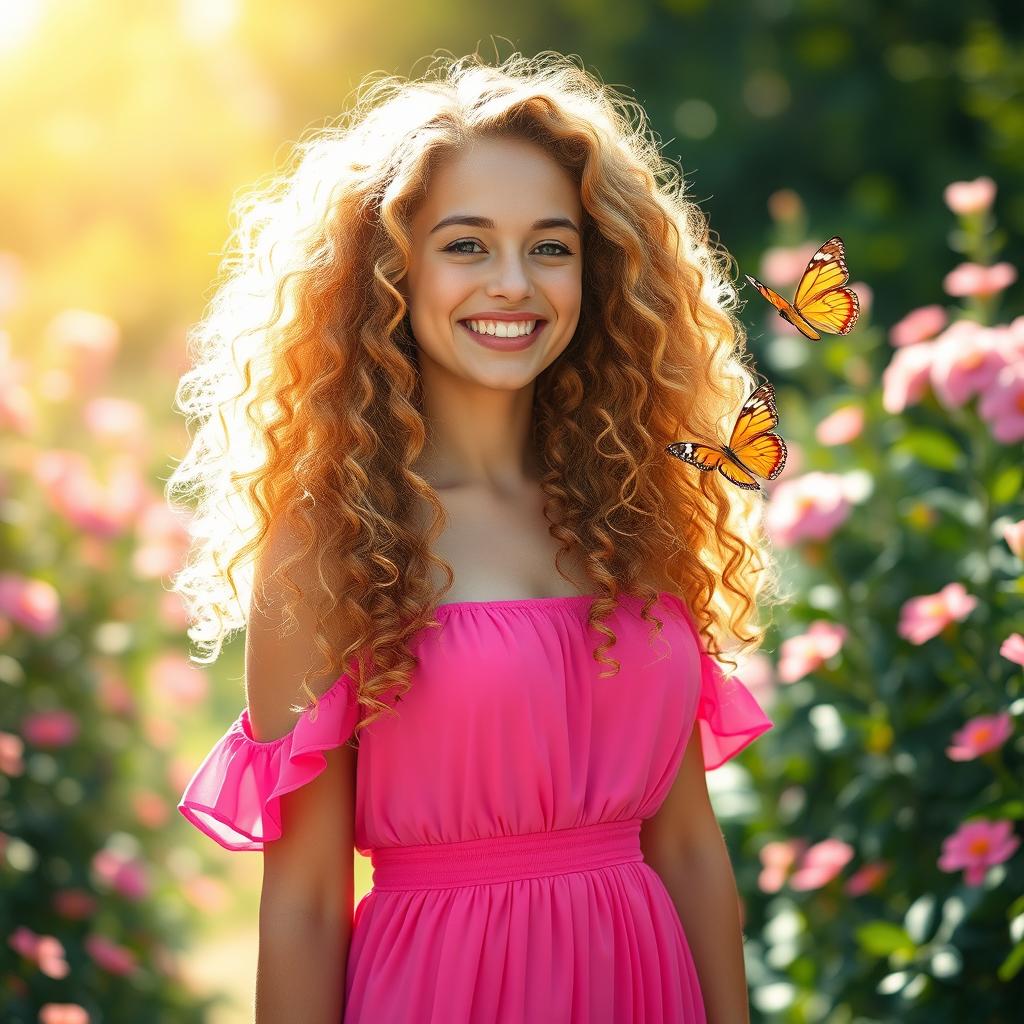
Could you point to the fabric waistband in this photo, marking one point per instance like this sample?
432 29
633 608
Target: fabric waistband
506 858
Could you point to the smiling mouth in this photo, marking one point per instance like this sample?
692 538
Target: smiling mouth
537 327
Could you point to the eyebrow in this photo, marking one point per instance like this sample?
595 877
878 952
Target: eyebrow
485 222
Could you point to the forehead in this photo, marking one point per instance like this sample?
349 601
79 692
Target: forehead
509 180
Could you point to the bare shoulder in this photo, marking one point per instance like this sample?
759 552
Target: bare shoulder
277 653
310 866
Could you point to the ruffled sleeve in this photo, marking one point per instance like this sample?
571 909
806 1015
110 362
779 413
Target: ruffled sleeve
235 795
730 717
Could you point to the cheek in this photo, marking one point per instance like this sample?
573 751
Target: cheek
442 289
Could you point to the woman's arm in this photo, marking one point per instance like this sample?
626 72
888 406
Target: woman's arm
306 903
683 843
306 907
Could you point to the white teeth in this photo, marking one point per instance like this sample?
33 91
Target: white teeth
502 328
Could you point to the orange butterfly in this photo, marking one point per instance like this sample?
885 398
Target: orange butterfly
821 300
753 450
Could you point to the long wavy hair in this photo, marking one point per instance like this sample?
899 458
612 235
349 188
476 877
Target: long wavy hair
305 397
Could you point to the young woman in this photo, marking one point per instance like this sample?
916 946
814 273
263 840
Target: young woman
444 362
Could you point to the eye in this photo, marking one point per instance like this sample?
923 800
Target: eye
454 247
462 241
563 250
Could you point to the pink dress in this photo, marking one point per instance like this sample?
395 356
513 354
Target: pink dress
501 811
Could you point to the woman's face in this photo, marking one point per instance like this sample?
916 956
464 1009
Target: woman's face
496 240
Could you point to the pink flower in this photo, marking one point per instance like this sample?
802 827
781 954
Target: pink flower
110 956
967 197
970 279
979 735
810 507
757 671
1002 405
32 604
63 1013
820 864
123 873
782 266
115 420
964 363
1013 534
45 950
17 406
163 540
976 846
869 877
919 324
842 426
74 904
1012 648
865 297
50 729
23 941
905 379
1009 340
803 654
102 509
777 858
171 610
178 682
11 749
922 618
50 957
89 341
113 693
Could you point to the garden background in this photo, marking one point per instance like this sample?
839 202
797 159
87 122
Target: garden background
875 831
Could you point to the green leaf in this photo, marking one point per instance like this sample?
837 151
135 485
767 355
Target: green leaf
882 938
931 448
1012 964
1006 485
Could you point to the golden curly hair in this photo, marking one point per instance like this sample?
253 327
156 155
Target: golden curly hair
304 385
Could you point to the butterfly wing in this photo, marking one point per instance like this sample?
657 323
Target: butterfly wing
704 456
752 441
757 416
834 312
787 310
826 269
821 298
739 476
770 294
764 455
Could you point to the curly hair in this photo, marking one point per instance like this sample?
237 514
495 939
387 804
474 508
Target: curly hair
304 385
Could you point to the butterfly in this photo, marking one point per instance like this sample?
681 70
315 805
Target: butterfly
821 300
753 450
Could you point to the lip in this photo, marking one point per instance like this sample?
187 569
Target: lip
524 314
492 341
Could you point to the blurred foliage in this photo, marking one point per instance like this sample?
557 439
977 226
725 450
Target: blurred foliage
128 129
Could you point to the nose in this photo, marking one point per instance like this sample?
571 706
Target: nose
510 281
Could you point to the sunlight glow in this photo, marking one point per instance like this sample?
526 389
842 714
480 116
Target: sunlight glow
207 21
18 20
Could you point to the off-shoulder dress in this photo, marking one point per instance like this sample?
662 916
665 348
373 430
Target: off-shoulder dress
501 811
